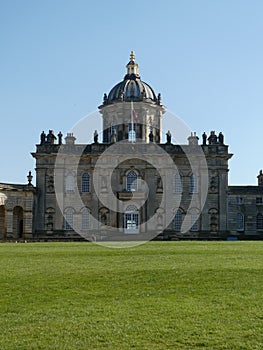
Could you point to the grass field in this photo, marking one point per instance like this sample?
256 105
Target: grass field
160 295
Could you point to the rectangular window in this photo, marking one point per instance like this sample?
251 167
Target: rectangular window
193 183
194 222
85 185
240 221
178 188
259 222
239 200
259 200
68 225
85 219
70 183
178 219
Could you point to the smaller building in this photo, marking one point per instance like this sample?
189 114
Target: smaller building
245 210
16 210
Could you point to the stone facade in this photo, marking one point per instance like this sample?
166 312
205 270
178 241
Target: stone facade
16 211
245 211
186 196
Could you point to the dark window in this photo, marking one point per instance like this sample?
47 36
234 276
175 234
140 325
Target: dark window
259 222
178 188
240 222
69 218
239 200
178 219
85 184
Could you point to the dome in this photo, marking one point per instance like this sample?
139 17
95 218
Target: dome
132 88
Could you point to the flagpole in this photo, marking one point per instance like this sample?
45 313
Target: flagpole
132 133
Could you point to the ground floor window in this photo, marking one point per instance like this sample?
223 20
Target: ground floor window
85 213
69 212
240 221
259 222
178 219
194 222
131 220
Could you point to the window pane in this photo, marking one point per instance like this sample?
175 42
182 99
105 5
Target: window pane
69 183
69 219
240 222
131 219
239 200
178 220
259 222
132 183
177 183
85 186
194 222
132 132
259 200
193 184
85 219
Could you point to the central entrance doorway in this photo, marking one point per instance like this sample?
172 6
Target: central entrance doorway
131 220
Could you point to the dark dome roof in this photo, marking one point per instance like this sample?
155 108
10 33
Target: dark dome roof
132 88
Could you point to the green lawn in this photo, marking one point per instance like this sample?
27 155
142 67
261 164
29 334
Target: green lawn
160 295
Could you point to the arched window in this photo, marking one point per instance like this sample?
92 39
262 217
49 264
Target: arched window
85 213
259 221
240 221
178 188
193 183
131 219
178 219
131 181
85 183
69 212
70 183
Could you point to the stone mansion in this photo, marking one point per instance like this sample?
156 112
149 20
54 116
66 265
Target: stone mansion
131 181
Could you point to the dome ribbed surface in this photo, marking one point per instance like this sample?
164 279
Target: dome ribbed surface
131 88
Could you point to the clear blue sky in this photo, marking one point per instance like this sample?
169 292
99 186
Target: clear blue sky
58 57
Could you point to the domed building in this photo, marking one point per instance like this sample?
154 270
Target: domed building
132 94
133 183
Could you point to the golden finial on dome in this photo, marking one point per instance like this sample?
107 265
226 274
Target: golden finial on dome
132 66
132 56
